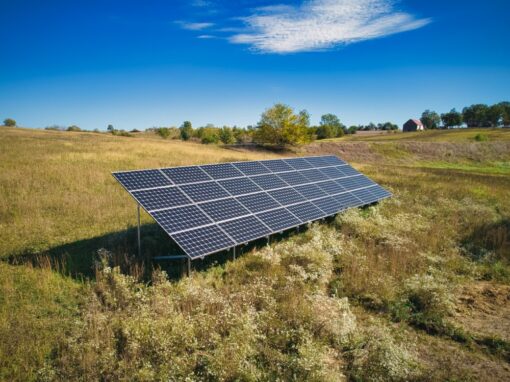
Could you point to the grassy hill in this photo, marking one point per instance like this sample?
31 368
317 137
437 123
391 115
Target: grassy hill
415 288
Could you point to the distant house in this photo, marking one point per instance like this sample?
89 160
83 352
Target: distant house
413 125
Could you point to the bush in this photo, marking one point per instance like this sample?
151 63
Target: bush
209 135
163 132
186 130
9 122
227 135
73 128
481 138
425 302
378 358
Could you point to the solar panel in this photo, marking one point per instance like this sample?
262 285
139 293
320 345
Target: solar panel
158 198
137 180
314 175
180 218
299 163
306 212
279 220
293 178
209 208
239 186
269 182
251 168
276 165
310 191
245 229
318 161
333 172
182 175
330 187
203 241
224 209
204 191
258 202
329 205
286 196
222 171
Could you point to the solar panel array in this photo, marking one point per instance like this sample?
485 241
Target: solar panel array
209 208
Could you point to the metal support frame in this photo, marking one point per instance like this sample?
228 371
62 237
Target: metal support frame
189 267
138 232
234 253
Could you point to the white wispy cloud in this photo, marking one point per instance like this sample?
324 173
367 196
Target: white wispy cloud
322 24
194 26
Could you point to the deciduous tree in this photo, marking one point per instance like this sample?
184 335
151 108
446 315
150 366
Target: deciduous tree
280 126
430 119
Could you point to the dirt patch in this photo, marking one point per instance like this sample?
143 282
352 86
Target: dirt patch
483 308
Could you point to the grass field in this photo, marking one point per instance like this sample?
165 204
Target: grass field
451 135
415 288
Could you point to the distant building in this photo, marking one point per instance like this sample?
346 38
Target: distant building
413 125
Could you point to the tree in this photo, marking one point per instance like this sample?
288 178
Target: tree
163 132
9 122
186 130
430 119
352 129
73 128
451 119
505 113
329 127
210 135
494 115
280 126
476 115
227 135
110 128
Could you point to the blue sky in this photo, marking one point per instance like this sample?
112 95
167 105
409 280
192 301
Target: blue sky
137 64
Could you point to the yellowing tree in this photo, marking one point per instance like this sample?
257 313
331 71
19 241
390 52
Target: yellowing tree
280 126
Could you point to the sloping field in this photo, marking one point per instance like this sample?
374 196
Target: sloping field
415 288
451 135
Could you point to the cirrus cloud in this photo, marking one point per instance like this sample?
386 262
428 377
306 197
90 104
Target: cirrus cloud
322 24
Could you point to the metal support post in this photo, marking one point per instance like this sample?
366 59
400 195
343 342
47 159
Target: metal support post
234 253
189 267
138 233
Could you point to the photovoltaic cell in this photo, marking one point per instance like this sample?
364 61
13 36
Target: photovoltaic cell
365 195
306 212
347 200
286 196
276 165
180 218
224 209
222 171
332 172
258 202
348 171
293 178
204 191
350 183
239 186
299 163
310 191
329 205
317 161
137 180
251 168
245 229
279 220
333 160
314 175
210 208
203 241
182 175
158 198
269 182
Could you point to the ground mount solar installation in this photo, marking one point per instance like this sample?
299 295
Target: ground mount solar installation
210 208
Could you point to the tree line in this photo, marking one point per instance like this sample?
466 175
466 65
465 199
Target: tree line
280 125
478 115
